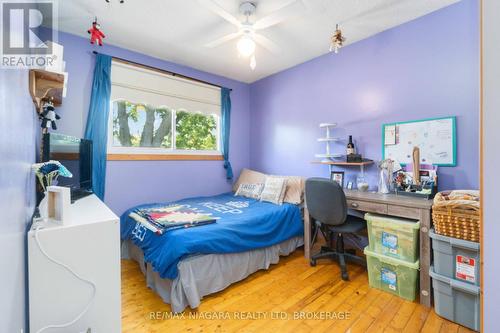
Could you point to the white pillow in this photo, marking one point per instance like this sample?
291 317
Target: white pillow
274 190
248 176
250 190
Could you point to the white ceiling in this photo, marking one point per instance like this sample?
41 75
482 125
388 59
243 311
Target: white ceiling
177 30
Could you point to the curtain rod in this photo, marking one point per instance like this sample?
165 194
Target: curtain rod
161 70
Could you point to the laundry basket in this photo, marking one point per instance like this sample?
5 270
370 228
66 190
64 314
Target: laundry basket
457 214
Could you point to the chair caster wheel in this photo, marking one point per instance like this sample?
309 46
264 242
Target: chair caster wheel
345 276
312 262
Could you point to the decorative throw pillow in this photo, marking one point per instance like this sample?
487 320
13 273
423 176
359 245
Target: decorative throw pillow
248 176
274 190
250 190
294 193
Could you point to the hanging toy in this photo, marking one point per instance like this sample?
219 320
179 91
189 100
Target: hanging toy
96 34
48 116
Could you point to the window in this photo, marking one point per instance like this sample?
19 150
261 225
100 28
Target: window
155 115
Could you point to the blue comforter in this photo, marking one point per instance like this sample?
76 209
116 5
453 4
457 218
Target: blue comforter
244 224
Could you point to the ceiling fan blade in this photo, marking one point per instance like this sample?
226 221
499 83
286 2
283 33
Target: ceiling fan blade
223 40
292 9
266 43
217 9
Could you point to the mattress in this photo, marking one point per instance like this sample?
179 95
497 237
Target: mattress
201 275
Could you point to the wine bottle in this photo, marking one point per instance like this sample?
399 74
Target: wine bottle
350 147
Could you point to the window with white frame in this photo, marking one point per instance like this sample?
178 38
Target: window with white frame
158 113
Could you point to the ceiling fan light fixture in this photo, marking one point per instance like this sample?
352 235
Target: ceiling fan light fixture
246 46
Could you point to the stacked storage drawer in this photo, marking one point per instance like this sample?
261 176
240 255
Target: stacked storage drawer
392 255
455 279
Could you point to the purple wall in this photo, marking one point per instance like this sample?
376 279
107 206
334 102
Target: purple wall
18 137
426 68
129 183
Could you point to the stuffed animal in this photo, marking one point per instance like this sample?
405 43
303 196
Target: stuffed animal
48 116
96 34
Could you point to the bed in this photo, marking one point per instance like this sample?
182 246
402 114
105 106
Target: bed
185 264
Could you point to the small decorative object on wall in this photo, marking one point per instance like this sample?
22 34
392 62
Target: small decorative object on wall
96 35
338 177
48 115
337 40
58 202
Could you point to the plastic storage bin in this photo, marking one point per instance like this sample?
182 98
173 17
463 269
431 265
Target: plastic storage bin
455 300
394 237
395 276
455 258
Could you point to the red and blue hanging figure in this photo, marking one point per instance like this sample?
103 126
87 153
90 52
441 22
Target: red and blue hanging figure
96 35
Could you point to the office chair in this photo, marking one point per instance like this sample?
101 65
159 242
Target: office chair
327 207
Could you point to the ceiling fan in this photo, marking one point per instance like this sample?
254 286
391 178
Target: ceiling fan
247 30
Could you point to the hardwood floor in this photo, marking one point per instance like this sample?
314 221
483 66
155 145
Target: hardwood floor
292 290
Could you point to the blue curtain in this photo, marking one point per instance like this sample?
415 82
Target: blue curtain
226 124
97 121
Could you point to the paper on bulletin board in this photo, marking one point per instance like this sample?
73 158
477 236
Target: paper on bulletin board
390 135
436 139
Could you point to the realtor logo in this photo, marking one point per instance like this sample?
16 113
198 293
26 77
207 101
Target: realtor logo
21 30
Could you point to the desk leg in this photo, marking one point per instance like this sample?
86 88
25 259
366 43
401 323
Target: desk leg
307 234
425 258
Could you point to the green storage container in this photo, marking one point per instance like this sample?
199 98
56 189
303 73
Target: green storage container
394 237
395 276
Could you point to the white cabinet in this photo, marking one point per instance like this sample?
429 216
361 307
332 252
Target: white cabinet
89 244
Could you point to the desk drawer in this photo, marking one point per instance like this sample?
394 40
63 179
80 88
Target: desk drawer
370 207
408 212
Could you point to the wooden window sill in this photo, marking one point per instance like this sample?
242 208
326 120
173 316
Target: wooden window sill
163 157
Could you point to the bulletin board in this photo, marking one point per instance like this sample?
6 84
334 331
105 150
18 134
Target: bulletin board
436 138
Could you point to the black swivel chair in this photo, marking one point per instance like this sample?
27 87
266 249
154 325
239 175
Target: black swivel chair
327 207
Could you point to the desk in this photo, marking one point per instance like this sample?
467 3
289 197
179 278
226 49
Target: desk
394 205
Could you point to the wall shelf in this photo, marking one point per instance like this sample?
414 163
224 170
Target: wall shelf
339 163
361 165
46 85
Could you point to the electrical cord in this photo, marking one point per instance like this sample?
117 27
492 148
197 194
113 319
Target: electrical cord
92 284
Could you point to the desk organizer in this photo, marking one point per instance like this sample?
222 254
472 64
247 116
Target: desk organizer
392 275
393 237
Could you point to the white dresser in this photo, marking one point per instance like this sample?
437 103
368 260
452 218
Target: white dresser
89 244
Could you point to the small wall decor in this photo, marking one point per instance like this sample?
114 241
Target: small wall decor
338 177
96 35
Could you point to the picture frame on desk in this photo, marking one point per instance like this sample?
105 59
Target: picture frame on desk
338 177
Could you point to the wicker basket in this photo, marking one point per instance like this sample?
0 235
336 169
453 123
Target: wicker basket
457 214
